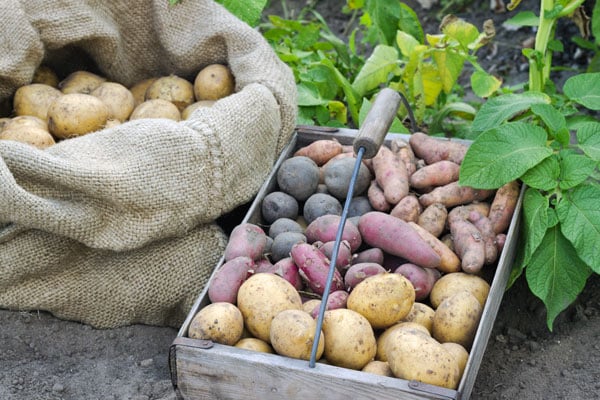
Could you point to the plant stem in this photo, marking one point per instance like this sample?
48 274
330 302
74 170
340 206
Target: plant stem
539 66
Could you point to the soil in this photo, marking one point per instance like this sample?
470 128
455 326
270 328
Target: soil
45 358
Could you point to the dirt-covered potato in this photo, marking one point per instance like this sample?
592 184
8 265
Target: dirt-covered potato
283 243
46 75
35 99
220 322
118 99
277 204
421 314
281 225
157 108
414 355
173 88
319 204
378 368
454 282
254 344
460 354
76 114
261 297
138 90
337 175
80 82
293 334
299 177
456 319
382 338
349 339
383 299
185 114
214 82
359 205
34 136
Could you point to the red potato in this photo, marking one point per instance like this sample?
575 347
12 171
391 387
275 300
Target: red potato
358 272
374 255
439 173
286 268
503 206
320 151
391 175
453 194
488 235
262 264
463 211
344 256
421 279
433 219
405 154
376 197
396 237
433 149
449 261
500 241
324 229
335 300
247 240
313 267
468 244
407 209
228 278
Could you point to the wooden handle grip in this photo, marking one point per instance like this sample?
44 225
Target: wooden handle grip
377 123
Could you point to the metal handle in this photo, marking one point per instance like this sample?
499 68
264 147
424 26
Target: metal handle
377 123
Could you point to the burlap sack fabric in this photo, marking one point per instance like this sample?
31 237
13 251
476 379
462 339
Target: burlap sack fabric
118 227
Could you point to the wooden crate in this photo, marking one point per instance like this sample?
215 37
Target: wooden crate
202 369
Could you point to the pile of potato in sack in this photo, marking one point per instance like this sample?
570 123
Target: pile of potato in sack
120 149
410 281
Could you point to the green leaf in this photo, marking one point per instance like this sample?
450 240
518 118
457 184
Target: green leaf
503 154
308 95
409 22
499 109
406 43
579 217
462 31
377 68
574 169
553 119
596 22
588 138
555 274
543 176
484 84
352 98
248 11
449 65
322 78
385 16
535 218
523 18
584 89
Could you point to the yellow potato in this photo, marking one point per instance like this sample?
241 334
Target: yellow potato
453 282
45 75
383 299
378 368
220 322
185 114
254 344
461 355
456 319
261 297
214 82
118 99
32 135
293 334
172 88
157 108
111 123
76 114
349 339
80 82
26 121
35 99
138 90
414 355
383 337
3 122
310 305
421 314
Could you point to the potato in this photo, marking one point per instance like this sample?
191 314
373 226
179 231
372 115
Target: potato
434 149
461 355
451 283
419 277
288 270
80 82
335 300
344 254
313 267
282 225
214 82
359 272
293 334
433 219
349 339
324 229
34 136
138 90
35 99
310 305
187 112
3 122
118 99
76 114
372 255
261 297
220 322
320 204
359 205
437 174
391 175
320 151
283 243
277 205
407 209
298 177
247 240
157 108
378 368
26 121
421 314
381 340
254 344
172 88
456 319
414 355
383 299
337 175
45 75
227 280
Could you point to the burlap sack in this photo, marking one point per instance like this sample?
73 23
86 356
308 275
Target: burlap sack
118 226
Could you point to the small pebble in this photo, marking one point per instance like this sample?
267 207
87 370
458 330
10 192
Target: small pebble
146 363
58 387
